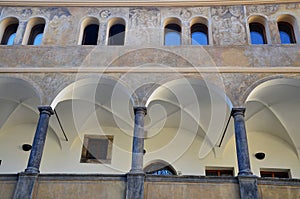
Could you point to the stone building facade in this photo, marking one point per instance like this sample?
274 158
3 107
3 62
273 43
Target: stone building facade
215 120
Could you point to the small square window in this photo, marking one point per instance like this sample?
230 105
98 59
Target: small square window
97 149
219 171
275 173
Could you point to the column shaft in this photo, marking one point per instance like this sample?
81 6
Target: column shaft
39 140
138 140
241 141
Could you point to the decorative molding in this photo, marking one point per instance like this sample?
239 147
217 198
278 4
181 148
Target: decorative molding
232 69
138 3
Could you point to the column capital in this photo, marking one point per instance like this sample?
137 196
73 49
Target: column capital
140 109
238 111
46 109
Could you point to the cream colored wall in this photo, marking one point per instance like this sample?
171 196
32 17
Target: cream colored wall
180 150
279 154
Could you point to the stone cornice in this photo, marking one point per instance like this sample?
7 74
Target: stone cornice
125 69
126 3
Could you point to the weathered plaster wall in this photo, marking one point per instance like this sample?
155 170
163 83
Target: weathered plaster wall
7 186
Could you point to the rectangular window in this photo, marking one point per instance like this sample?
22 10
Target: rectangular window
219 171
275 173
97 149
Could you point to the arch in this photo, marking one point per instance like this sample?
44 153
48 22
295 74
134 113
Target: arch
258 30
287 25
275 101
34 32
199 31
8 30
116 32
89 30
203 113
159 167
91 103
172 32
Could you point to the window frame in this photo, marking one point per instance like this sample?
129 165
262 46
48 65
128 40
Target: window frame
274 173
219 171
85 152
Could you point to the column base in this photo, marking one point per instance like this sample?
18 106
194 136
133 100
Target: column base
26 186
135 186
248 187
245 173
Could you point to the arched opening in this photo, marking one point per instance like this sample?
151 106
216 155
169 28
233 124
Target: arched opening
257 29
90 34
172 32
199 34
96 115
159 168
286 33
199 31
36 35
116 34
286 27
271 109
257 33
185 130
8 30
34 32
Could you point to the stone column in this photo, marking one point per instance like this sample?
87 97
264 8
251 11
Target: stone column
20 33
186 34
39 140
247 181
241 142
27 180
138 140
136 176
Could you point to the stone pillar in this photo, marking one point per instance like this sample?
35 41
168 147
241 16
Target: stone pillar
27 180
247 181
186 34
20 33
39 140
138 140
136 176
241 142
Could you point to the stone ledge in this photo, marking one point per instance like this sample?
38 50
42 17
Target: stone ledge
126 3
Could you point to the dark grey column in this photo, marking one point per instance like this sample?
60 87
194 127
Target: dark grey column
27 180
39 140
241 142
136 176
138 140
247 181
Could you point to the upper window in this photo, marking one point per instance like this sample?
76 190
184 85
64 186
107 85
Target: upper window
9 29
90 35
219 171
257 33
116 35
286 33
34 32
172 32
97 149
288 29
199 34
257 28
36 35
